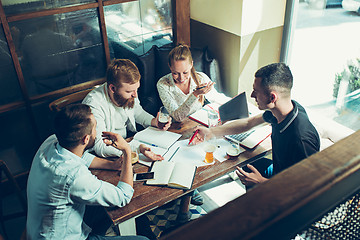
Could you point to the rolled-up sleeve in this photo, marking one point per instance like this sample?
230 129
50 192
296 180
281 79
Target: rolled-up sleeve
87 189
88 158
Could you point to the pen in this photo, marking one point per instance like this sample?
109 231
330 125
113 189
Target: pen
193 136
113 143
151 144
200 87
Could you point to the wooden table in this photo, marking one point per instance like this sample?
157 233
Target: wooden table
147 198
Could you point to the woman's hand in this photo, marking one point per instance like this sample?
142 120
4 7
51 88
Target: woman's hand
203 89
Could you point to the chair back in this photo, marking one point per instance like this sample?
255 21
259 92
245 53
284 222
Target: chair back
14 188
76 97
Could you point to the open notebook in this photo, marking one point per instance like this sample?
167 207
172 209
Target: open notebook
157 140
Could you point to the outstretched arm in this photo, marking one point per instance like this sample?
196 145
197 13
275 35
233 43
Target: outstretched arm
234 127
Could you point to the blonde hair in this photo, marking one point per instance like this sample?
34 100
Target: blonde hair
180 53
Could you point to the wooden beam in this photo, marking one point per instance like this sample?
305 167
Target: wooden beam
181 24
103 31
289 202
111 2
49 12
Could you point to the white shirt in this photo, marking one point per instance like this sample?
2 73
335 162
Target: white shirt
112 118
179 104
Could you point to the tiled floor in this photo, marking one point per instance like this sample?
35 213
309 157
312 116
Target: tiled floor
164 218
215 194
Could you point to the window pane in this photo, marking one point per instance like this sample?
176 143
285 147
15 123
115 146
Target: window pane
123 26
60 51
12 7
325 61
136 26
156 15
9 84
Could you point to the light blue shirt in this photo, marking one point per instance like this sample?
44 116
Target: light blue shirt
59 187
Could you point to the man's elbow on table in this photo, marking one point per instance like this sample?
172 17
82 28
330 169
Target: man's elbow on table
126 193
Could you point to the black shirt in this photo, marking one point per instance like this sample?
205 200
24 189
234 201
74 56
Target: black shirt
294 139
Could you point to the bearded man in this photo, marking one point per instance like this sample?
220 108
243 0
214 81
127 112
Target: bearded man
117 109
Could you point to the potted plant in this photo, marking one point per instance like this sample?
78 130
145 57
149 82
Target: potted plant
351 74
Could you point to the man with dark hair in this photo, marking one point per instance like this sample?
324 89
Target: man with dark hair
60 185
293 136
117 109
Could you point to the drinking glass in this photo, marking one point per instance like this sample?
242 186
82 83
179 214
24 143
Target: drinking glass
163 117
213 118
209 147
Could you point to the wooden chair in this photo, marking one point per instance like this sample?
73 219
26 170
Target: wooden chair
16 189
76 97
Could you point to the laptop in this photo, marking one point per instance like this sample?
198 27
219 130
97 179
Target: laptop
251 138
237 108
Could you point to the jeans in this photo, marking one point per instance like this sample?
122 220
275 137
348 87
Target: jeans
99 237
264 166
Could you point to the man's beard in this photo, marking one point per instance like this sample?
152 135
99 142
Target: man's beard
123 102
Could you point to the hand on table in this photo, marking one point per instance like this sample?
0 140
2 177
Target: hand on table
149 154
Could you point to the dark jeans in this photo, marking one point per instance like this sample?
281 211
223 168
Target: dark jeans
264 166
99 221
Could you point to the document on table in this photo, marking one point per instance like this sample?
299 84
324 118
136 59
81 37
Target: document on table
157 150
157 140
194 154
157 137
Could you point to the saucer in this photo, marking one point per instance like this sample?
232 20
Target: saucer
233 152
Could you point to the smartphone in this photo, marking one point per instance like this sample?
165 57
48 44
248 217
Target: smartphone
143 176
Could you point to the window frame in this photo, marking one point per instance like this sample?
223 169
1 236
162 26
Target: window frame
181 32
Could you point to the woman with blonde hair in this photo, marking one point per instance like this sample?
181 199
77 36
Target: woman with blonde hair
183 91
